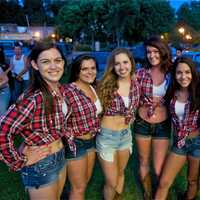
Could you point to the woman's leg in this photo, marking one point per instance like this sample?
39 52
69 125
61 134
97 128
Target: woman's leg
77 174
61 181
193 176
110 171
49 192
160 149
144 150
91 155
172 166
122 160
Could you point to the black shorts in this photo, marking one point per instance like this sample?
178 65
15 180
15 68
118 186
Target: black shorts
160 130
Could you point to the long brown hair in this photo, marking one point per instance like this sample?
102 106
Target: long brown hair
108 85
193 87
164 51
37 82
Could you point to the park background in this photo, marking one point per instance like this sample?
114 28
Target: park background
108 23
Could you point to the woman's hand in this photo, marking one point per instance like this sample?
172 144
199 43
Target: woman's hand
34 153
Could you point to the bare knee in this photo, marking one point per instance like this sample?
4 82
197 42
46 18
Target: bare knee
111 183
164 184
78 188
144 161
121 172
144 166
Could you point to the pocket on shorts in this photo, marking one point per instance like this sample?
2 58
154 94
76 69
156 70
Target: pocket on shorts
140 125
46 165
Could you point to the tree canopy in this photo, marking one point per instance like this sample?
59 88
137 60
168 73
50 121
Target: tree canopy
190 14
116 20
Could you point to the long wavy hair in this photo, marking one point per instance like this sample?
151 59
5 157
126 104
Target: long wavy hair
193 87
164 50
37 81
108 85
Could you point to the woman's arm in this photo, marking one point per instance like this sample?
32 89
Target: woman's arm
3 80
14 123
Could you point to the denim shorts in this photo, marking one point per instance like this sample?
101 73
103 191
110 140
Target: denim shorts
109 141
191 147
82 148
160 130
44 172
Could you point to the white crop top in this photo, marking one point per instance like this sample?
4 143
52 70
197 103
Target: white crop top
64 107
126 101
160 90
97 102
179 109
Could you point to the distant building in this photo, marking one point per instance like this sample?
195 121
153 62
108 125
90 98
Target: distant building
14 32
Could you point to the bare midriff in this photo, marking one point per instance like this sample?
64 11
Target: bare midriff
115 123
160 112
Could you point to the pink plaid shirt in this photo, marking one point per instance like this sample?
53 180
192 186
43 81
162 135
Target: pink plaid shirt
184 127
146 84
83 118
117 106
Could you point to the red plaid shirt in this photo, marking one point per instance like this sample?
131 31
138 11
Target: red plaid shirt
83 118
146 83
27 119
184 127
117 106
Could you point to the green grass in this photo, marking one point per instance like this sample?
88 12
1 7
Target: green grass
12 189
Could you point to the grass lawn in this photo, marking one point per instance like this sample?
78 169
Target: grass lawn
12 189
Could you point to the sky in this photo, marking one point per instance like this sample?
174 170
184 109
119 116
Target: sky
177 3
174 3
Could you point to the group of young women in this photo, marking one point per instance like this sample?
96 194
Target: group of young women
63 126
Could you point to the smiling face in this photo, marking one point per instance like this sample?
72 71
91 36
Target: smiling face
88 71
50 64
123 66
183 75
153 55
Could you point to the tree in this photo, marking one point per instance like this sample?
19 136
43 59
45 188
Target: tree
35 11
155 17
77 19
114 21
190 14
118 17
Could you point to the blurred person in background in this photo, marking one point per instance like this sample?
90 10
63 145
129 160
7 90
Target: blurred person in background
20 71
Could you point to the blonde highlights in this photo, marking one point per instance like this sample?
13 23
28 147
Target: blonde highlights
109 85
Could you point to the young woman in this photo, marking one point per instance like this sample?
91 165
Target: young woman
152 125
184 110
119 95
38 117
83 123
